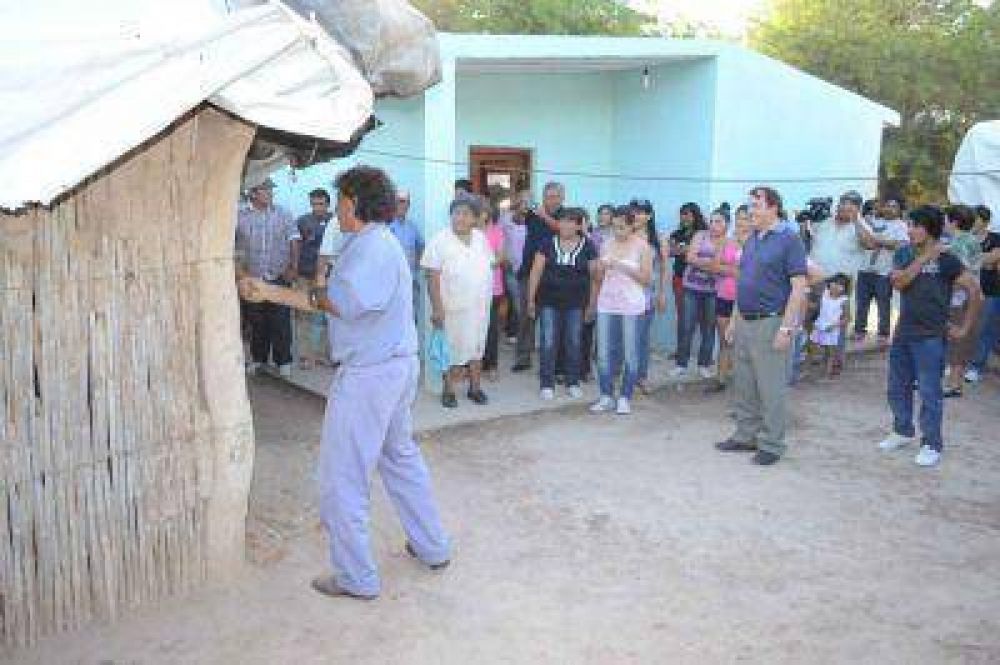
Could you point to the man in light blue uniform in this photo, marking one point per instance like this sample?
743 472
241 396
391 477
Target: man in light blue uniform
412 242
368 421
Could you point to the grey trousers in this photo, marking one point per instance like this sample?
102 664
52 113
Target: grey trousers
760 385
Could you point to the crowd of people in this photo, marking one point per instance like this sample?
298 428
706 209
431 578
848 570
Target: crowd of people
581 293
567 276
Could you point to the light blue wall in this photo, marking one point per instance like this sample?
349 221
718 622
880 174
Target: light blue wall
775 123
665 132
401 134
566 120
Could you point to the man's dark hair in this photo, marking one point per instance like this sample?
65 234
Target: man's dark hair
984 213
962 216
870 207
605 206
930 218
372 191
320 193
464 184
853 197
898 198
771 197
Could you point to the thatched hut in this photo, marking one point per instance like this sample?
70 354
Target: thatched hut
127 441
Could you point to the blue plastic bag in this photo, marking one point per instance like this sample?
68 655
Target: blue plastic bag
438 353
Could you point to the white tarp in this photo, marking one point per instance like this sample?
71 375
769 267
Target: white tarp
392 43
82 83
975 176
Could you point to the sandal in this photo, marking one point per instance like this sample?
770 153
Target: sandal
477 396
448 400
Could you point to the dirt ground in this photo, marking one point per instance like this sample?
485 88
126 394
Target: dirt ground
605 540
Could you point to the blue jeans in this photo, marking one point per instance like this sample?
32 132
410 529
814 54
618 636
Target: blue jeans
920 360
699 310
617 350
560 327
873 286
645 323
990 332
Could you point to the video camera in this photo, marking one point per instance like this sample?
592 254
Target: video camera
817 210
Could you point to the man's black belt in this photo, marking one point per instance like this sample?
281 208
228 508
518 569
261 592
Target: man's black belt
757 316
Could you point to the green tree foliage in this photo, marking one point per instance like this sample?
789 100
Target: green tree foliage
534 17
937 62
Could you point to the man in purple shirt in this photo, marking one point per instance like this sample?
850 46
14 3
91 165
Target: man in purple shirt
770 296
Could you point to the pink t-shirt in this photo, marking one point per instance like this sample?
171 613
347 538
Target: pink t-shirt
494 237
725 286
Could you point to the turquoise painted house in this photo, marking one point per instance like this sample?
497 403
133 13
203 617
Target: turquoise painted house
617 118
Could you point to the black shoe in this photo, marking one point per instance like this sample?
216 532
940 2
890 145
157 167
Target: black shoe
449 401
477 396
521 367
732 446
765 458
953 392
435 566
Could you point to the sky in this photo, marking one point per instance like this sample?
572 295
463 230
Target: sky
728 16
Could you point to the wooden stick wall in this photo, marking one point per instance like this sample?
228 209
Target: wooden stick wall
125 430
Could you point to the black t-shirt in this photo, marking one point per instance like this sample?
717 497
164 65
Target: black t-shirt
989 279
536 233
565 281
311 228
682 236
924 305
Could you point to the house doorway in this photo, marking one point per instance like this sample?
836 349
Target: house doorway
499 168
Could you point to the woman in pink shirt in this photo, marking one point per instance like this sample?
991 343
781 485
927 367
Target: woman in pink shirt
495 239
726 268
625 271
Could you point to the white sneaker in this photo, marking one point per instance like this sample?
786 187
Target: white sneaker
895 441
972 375
252 369
678 372
927 456
624 407
603 405
706 372
574 392
548 394
285 371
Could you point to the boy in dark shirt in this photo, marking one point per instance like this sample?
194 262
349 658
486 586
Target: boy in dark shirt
560 288
924 274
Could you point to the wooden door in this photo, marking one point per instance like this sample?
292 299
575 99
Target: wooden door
509 168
